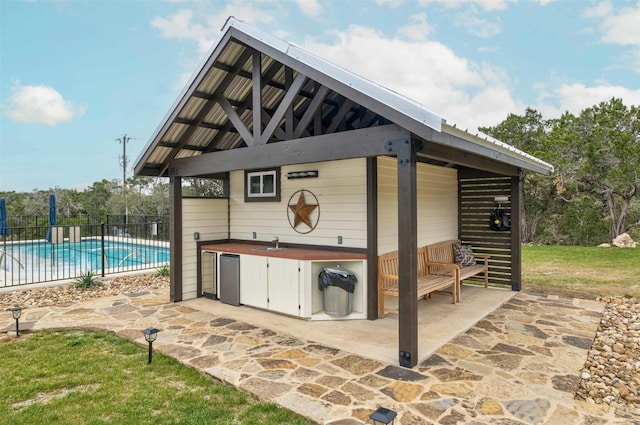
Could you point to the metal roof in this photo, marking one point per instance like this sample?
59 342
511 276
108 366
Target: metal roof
215 109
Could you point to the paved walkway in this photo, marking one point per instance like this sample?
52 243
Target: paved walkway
519 365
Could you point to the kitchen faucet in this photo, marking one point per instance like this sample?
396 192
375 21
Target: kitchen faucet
275 241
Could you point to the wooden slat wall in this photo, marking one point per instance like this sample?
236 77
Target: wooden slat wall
477 192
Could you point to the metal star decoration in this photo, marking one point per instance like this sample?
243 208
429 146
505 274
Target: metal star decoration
301 211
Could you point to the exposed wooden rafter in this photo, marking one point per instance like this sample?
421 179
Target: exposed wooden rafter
315 103
235 119
286 101
228 126
256 96
204 111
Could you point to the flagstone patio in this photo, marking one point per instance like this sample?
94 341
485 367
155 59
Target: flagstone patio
517 364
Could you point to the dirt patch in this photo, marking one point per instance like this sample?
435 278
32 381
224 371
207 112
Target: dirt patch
44 398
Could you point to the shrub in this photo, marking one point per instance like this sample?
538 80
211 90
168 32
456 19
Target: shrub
87 280
163 271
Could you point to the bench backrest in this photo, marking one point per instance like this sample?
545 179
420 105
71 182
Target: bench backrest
388 265
441 252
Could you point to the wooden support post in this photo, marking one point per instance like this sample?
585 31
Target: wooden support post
516 246
372 238
256 95
175 235
407 251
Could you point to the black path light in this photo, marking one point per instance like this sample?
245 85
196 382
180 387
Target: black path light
150 335
16 312
383 416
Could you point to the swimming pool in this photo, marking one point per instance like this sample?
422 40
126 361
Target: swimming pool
40 261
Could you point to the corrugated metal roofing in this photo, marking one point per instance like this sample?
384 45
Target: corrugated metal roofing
197 123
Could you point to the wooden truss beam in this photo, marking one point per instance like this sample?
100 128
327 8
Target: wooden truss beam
316 102
286 101
205 110
228 126
362 143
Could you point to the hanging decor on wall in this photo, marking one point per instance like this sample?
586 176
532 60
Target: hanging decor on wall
500 220
301 213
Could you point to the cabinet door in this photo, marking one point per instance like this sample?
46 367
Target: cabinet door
283 286
253 281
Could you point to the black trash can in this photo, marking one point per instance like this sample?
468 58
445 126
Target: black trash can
338 286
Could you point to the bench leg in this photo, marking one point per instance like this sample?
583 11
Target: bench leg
380 304
486 272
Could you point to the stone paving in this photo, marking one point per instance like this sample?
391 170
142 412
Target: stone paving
519 365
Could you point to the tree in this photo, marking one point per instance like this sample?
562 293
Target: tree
529 133
202 187
96 198
611 143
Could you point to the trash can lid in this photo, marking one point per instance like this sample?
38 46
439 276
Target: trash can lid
338 270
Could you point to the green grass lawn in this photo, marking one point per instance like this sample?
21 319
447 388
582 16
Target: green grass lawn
584 272
84 377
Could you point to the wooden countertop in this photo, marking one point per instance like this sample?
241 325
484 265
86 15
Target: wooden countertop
302 254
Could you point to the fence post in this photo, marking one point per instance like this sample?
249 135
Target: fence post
102 246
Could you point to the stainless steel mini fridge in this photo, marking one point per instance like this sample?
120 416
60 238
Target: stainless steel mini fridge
230 279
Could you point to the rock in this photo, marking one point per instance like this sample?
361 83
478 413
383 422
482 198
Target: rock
604 245
611 374
67 294
624 241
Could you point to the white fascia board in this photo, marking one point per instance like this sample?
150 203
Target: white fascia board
496 145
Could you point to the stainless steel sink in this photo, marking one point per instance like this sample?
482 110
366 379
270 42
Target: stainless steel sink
268 249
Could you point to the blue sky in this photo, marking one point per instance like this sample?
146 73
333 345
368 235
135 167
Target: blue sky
77 75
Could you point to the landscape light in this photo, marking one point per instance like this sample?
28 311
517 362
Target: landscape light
383 416
16 312
150 335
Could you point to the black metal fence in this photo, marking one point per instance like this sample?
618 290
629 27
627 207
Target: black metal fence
34 254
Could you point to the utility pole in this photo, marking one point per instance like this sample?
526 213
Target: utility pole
123 161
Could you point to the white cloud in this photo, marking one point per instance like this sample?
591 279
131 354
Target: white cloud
40 105
476 25
600 10
417 29
204 24
619 27
574 98
309 7
622 28
484 4
391 3
464 92
180 25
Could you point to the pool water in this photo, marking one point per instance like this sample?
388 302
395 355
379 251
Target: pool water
43 261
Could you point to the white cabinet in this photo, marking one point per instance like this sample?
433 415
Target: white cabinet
290 286
253 281
270 283
284 281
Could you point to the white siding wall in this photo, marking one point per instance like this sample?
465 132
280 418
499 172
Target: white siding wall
341 192
208 217
437 204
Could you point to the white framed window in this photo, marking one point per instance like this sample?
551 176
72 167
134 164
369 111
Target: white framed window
262 185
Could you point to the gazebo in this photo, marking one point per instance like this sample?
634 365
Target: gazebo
270 120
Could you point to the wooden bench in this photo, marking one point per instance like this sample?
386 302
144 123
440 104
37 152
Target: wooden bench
427 283
441 253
